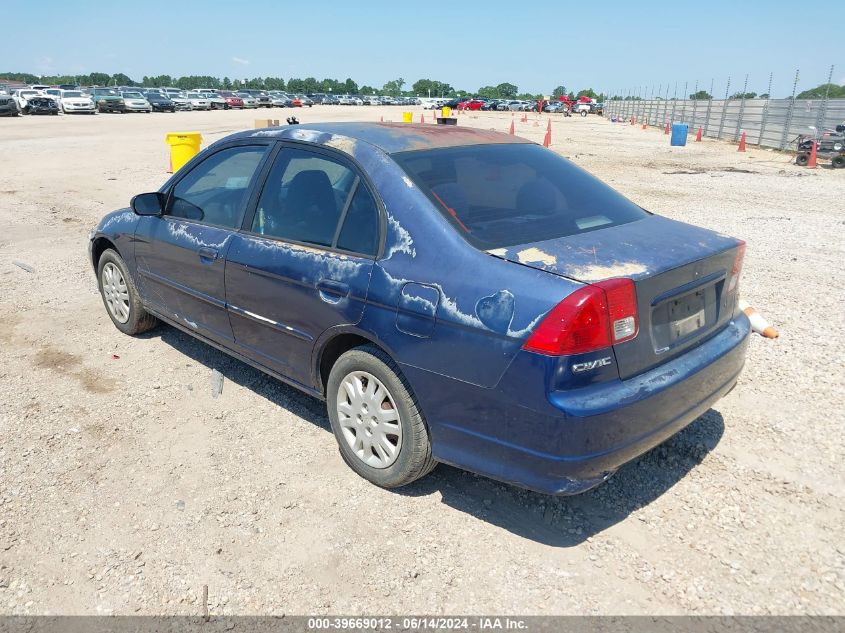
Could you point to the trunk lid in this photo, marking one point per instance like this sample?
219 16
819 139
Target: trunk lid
682 275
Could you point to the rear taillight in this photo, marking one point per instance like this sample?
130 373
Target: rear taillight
737 268
593 317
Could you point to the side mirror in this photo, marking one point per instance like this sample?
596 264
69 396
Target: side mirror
148 203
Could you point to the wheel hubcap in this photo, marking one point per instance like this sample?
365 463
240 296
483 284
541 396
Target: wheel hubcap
115 292
369 419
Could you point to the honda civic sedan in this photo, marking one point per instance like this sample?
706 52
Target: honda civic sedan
454 295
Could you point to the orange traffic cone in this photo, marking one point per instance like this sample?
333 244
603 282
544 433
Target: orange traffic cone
811 163
666 129
645 124
698 135
741 147
758 323
547 139
510 131
422 117
549 127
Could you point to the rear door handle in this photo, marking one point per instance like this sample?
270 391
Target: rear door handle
332 291
207 255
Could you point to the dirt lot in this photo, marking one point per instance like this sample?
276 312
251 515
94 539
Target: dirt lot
125 487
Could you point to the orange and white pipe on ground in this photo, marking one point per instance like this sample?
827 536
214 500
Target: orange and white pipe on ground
758 323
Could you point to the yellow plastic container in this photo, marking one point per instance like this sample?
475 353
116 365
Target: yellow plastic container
183 147
407 117
446 112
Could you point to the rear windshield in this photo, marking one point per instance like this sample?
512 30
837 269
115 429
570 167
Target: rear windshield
503 195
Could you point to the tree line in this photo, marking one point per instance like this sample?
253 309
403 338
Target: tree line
308 85
831 91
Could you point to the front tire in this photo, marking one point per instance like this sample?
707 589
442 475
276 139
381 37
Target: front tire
120 297
379 427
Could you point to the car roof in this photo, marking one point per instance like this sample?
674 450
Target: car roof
388 137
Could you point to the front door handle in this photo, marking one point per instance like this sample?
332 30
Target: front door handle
332 291
207 255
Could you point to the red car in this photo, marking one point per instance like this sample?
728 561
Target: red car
234 102
472 104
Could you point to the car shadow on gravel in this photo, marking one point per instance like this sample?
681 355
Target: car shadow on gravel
569 521
244 375
555 521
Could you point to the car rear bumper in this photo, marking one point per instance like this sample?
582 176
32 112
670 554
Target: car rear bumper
576 439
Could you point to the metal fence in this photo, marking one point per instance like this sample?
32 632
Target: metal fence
766 122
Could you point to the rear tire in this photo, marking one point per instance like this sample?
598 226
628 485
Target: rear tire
838 162
120 297
362 443
802 159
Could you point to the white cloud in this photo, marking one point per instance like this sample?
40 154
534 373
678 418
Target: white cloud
241 61
45 65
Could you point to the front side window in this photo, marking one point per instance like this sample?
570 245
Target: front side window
215 190
304 198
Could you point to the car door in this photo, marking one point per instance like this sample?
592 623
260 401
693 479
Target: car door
181 254
302 264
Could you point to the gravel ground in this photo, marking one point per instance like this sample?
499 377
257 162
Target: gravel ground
125 486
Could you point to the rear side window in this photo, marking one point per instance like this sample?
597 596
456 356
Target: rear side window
360 231
304 200
503 195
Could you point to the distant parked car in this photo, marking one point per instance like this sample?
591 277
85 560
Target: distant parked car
471 298
198 101
330 100
582 108
74 101
232 100
553 106
108 100
41 104
22 97
304 101
280 99
434 104
215 101
135 102
181 101
471 104
8 105
159 102
262 99
452 103
248 100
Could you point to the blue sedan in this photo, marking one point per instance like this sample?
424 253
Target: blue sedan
454 295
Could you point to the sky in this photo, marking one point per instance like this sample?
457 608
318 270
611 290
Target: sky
605 45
